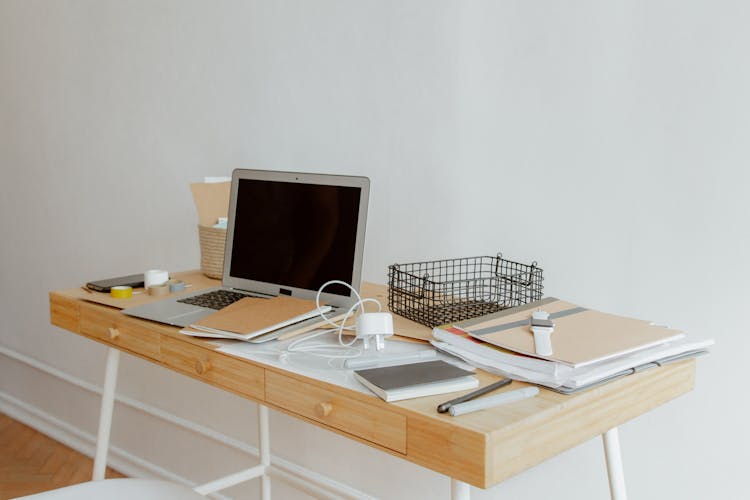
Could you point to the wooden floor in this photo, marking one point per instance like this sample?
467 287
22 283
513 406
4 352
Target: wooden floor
30 462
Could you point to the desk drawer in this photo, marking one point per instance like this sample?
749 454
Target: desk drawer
63 312
369 422
220 370
111 326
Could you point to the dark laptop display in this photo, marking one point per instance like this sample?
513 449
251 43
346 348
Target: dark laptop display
295 235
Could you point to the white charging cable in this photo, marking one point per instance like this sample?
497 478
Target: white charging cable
333 351
321 350
359 303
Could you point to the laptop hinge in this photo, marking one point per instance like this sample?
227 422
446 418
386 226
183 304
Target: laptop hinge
252 292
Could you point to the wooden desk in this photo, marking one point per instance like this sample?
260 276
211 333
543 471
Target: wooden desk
480 449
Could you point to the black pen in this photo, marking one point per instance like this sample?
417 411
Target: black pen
443 408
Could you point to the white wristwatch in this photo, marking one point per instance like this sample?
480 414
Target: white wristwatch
542 328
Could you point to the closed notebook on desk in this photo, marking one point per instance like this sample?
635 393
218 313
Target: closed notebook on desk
414 380
251 316
581 336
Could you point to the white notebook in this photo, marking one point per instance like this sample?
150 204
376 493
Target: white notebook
414 380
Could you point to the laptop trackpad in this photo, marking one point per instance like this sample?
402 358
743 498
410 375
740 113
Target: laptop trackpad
189 318
177 313
170 312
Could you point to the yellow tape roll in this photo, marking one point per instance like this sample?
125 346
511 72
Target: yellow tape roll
121 292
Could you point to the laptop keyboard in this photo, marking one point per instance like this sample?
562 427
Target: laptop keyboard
218 299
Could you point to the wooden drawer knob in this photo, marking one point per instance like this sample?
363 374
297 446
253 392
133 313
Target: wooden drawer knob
202 366
323 409
113 333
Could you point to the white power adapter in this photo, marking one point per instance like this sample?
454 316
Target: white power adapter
378 325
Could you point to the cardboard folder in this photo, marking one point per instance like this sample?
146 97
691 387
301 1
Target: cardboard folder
581 336
250 317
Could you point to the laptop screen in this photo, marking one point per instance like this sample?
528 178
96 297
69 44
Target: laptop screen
295 234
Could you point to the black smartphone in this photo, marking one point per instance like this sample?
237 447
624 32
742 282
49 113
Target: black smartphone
134 280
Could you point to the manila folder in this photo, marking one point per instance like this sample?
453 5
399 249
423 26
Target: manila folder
253 315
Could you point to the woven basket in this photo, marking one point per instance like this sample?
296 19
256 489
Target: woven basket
212 250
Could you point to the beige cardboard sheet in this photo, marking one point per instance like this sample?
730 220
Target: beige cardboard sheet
251 314
211 201
578 339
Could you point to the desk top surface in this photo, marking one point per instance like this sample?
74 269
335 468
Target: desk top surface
481 448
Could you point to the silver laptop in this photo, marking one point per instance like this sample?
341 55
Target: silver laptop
288 233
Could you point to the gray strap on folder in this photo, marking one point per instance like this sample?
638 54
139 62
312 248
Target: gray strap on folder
525 322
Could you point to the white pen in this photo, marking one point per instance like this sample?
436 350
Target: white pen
492 401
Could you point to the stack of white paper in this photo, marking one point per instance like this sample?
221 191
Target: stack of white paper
587 356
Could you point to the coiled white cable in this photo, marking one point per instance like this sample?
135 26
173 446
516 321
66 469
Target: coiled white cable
329 351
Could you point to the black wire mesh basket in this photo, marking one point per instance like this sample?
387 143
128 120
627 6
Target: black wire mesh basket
440 292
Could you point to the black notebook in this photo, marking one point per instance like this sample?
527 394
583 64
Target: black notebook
414 380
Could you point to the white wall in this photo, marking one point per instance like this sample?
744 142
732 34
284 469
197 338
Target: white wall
607 140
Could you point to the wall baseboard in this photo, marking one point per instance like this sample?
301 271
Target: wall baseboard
131 465
82 442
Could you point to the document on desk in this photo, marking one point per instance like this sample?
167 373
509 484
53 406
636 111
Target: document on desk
251 317
581 336
464 341
573 380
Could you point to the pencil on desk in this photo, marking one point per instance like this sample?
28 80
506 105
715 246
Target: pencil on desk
443 408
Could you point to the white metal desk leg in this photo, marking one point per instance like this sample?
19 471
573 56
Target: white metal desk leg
105 414
614 464
460 490
265 451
